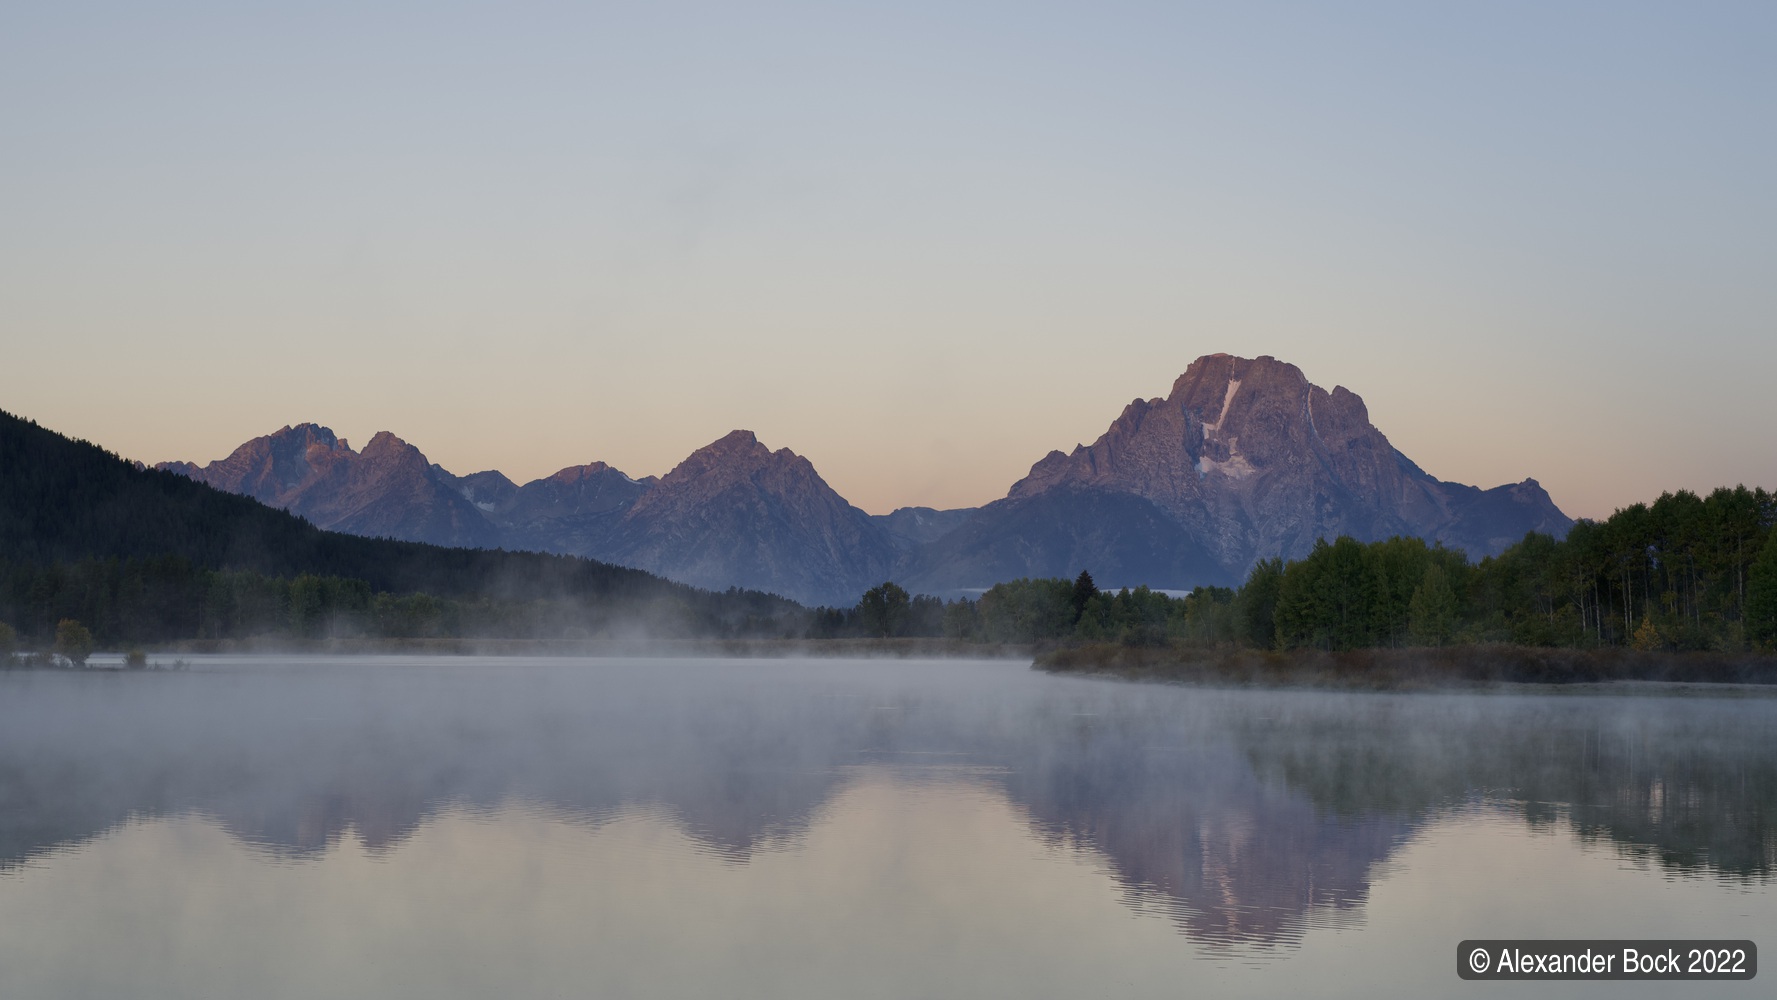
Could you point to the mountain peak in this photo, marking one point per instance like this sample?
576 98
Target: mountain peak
740 443
1254 460
735 509
388 489
386 442
737 454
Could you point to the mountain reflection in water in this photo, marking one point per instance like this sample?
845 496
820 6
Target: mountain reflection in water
1243 815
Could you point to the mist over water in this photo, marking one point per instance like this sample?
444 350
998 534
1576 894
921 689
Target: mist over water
278 826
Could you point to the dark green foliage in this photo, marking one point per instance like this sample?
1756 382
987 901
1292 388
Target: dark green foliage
1683 573
152 601
1761 596
1139 617
1027 610
1332 599
143 555
960 620
1256 603
884 610
1209 617
1084 591
1431 613
925 616
1676 573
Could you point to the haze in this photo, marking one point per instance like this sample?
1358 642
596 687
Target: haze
921 245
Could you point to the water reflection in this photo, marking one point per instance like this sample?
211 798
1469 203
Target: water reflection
1244 816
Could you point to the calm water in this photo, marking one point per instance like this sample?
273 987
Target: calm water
396 827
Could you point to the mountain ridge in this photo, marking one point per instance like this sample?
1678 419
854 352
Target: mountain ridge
1243 459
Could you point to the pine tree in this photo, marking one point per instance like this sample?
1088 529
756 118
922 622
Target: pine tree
1084 591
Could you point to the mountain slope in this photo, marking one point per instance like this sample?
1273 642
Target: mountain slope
389 490
736 513
1123 539
911 527
63 500
574 511
1246 459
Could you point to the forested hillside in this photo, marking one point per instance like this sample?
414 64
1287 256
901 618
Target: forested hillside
141 554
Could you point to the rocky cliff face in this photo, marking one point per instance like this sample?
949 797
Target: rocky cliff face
1245 459
737 513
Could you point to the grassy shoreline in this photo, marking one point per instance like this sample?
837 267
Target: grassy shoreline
1408 669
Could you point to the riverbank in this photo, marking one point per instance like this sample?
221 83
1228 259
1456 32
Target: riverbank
1408 669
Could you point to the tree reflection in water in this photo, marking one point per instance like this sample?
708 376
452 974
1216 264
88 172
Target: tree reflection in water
1243 814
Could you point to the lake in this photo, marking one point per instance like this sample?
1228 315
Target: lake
463 827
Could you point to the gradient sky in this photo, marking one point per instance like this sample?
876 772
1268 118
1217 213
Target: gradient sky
920 243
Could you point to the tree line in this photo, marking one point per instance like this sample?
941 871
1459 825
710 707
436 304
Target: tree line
1686 572
122 602
136 555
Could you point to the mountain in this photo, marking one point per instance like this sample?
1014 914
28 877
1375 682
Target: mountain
1121 538
389 490
911 527
62 501
737 513
573 511
1245 459
732 514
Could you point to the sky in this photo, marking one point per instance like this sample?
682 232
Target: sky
921 244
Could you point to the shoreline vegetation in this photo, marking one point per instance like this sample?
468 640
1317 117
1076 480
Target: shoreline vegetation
908 648
98 554
1409 669
1446 668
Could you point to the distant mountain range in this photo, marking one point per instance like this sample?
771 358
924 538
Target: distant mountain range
1245 459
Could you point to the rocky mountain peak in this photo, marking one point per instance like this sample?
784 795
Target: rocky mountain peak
732 460
1244 458
385 445
389 489
1252 460
735 509
735 450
